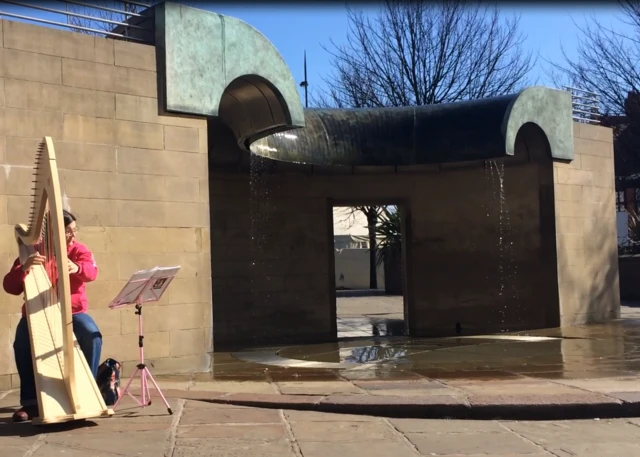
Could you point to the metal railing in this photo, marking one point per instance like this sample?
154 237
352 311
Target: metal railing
115 19
585 105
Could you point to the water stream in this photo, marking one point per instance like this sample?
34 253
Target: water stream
507 268
260 209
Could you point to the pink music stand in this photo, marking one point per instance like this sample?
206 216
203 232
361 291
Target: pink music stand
143 287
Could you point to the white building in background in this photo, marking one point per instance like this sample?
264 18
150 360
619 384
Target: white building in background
349 229
351 250
622 215
622 224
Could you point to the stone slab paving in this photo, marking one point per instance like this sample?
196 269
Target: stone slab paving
382 412
515 397
203 429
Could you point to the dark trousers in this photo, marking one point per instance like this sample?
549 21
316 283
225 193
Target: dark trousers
89 339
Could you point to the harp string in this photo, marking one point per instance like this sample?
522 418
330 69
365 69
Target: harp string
51 260
46 248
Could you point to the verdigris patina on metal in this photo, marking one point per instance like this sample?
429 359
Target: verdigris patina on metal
219 66
202 54
472 130
549 109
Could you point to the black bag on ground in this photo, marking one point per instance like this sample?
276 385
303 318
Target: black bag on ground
109 381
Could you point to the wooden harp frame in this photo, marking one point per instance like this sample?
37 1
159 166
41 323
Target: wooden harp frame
65 387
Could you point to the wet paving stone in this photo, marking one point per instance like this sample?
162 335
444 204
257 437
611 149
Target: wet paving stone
317 388
594 352
417 384
257 387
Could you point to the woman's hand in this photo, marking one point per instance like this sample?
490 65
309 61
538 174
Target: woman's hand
73 268
33 259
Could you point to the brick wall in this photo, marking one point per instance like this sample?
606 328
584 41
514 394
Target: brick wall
586 229
136 179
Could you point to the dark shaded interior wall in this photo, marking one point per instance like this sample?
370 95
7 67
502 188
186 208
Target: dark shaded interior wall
629 266
483 245
481 252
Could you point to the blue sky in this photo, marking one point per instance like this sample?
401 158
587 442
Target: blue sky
294 28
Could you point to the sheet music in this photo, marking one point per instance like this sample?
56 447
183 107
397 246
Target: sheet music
158 283
145 286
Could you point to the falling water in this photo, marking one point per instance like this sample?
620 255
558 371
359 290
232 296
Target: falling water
488 176
260 209
508 257
507 266
258 202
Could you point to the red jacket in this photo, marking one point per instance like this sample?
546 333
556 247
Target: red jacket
79 254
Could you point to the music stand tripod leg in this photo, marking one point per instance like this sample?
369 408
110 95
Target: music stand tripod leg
143 370
166 403
127 391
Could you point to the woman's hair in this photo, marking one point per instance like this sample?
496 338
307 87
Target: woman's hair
68 217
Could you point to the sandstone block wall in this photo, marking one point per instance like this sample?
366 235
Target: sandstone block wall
475 245
586 229
136 179
491 247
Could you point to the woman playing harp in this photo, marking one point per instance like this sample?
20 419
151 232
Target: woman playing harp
82 269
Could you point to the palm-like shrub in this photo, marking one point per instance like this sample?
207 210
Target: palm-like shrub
388 233
389 249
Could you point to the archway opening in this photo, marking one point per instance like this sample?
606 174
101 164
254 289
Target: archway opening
369 271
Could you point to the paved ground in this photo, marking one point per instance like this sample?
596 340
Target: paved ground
363 313
202 429
378 385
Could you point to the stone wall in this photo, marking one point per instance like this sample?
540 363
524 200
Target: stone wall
586 229
481 238
135 178
516 244
476 253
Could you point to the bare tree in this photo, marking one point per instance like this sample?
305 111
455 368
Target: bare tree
424 53
607 63
371 213
607 60
105 15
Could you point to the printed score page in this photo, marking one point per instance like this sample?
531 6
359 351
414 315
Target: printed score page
136 289
158 283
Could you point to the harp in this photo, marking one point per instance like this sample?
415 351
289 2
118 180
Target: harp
65 387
